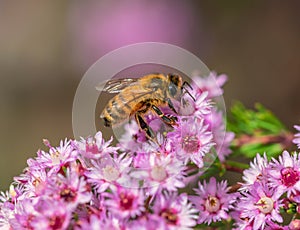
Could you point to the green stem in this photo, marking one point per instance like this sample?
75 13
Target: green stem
284 138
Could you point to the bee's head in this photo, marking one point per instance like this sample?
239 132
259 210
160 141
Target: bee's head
176 87
175 84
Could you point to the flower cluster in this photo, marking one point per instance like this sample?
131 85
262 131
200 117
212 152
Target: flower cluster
92 184
270 187
149 183
87 184
213 201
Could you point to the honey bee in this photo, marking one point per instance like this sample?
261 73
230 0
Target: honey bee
136 96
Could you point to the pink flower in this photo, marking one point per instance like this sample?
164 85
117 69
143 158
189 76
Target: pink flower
274 226
94 222
41 213
70 189
125 202
145 222
260 206
198 108
174 211
256 172
7 213
213 201
95 207
297 136
162 146
285 173
159 172
94 147
192 141
107 171
211 84
132 138
216 123
56 158
34 181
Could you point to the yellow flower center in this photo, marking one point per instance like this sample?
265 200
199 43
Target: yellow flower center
158 173
212 204
110 173
55 157
265 205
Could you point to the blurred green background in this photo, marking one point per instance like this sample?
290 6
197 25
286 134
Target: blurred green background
46 47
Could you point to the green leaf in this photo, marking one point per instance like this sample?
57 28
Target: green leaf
247 121
255 125
250 150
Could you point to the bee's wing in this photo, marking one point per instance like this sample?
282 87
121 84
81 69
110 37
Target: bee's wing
115 85
137 94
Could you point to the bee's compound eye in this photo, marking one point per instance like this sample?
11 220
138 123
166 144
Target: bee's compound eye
172 89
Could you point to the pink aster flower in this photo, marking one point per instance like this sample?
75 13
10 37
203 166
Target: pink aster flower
6 216
125 202
224 145
41 213
216 123
94 147
159 172
145 222
7 209
199 107
52 215
132 138
107 171
260 206
71 189
246 224
34 181
212 84
25 214
297 136
162 146
274 226
56 158
285 173
192 140
173 211
15 193
95 207
94 222
256 172
213 201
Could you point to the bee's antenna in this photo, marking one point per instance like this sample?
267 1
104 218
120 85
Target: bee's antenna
186 91
186 83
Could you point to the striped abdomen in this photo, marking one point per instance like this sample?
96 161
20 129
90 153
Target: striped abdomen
122 106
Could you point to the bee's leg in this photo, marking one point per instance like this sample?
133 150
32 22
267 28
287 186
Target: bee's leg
168 120
170 104
144 126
